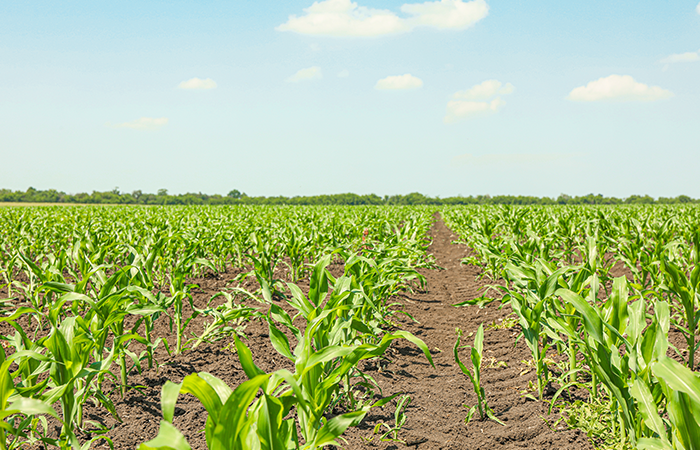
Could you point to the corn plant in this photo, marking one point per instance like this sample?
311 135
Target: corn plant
237 419
232 421
264 261
227 318
321 369
680 430
73 374
619 346
18 422
392 433
534 285
683 284
476 354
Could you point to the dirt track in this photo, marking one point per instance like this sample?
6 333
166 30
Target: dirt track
437 412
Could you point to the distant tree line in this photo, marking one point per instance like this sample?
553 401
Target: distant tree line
235 197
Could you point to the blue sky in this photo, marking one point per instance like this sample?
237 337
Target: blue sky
374 96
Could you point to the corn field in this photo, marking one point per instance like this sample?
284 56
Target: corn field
83 288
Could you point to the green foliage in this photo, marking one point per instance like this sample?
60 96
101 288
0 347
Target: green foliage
557 262
476 355
236 197
92 281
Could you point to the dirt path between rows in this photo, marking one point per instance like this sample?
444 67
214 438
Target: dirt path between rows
436 413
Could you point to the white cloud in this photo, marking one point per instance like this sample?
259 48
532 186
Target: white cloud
144 123
618 88
198 83
446 14
682 57
345 18
343 73
466 103
697 8
485 90
310 73
397 82
462 109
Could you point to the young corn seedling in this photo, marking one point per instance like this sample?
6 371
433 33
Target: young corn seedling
686 290
106 314
228 318
236 418
534 286
321 370
72 376
392 433
619 346
474 375
19 425
264 262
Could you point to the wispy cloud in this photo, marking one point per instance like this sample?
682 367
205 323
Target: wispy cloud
457 110
144 123
399 82
681 57
485 90
446 14
501 159
477 101
344 73
308 74
697 8
197 83
618 88
345 18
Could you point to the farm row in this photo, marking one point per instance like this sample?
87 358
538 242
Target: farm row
588 329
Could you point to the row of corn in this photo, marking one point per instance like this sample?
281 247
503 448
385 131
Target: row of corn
587 329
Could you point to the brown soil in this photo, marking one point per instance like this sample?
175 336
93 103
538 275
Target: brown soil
436 413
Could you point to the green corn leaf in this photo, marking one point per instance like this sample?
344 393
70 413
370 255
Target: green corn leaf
168 438
31 406
319 281
678 377
219 386
327 354
337 426
58 287
279 341
232 416
479 340
246 359
653 444
647 407
197 386
168 398
415 341
685 425
300 302
591 320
